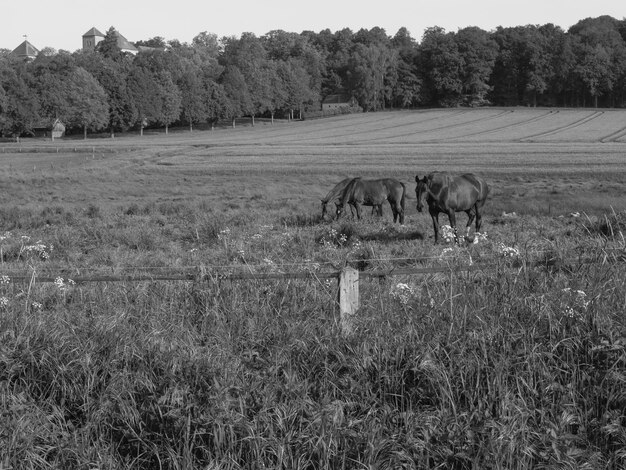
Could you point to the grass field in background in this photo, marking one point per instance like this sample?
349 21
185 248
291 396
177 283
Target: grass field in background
519 363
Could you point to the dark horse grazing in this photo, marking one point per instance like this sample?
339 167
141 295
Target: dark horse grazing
450 194
374 193
335 195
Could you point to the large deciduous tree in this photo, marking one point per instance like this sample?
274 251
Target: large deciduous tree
88 106
442 66
20 107
239 102
112 76
478 52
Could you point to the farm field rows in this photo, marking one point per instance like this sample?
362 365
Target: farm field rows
517 363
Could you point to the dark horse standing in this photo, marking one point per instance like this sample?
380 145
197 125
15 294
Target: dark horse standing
450 194
336 194
373 193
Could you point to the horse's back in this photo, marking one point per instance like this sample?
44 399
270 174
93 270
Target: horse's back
480 185
458 192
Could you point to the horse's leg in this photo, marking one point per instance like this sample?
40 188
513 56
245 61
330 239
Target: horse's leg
435 217
358 210
471 214
452 218
479 219
394 211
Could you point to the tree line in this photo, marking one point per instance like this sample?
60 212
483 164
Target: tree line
287 75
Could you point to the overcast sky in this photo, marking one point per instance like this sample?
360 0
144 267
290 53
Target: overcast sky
60 24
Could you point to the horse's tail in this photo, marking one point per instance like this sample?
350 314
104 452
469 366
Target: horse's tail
402 200
486 190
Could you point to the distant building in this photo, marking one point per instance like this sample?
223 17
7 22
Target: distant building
26 51
92 37
44 128
336 101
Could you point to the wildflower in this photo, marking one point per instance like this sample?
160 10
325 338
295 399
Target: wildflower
446 251
257 236
37 248
480 237
4 279
311 265
402 292
4 302
432 303
62 285
507 251
37 306
448 233
5 236
223 234
574 303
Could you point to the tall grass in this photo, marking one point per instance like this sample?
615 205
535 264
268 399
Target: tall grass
518 366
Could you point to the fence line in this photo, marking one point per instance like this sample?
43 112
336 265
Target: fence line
207 274
348 278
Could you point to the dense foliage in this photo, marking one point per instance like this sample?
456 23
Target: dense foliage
284 74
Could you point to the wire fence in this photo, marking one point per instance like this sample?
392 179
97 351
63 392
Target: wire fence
408 267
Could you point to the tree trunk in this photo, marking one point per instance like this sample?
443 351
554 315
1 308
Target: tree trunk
233 123
85 132
253 120
272 117
166 129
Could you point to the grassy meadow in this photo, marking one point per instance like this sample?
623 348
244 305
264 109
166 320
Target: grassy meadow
517 363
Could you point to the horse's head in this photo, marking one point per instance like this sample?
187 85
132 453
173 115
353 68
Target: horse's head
338 209
420 190
324 208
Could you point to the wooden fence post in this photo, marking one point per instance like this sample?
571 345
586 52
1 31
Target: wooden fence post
348 297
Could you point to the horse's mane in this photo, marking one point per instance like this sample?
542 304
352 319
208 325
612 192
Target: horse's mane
338 190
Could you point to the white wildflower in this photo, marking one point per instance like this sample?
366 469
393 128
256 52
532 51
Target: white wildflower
4 302
4 279
448 233
447 253
402 292
224 234
574 303
64 285
480 237
507 251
